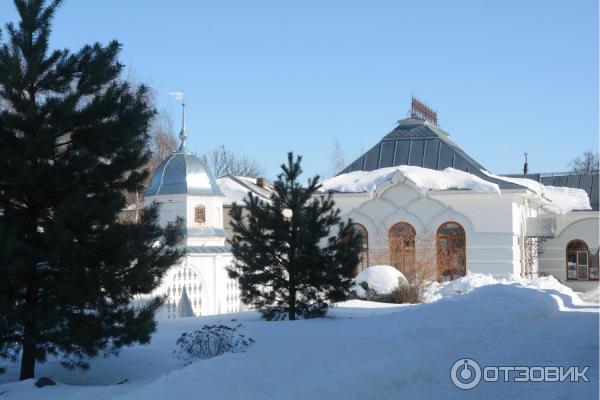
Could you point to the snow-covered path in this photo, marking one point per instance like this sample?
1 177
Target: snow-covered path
361 352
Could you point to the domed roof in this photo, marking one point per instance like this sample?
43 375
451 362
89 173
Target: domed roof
183 173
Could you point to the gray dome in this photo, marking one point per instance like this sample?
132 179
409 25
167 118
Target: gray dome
183 173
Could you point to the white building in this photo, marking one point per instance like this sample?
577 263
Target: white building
415 182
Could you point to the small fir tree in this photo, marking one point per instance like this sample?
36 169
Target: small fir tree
72 140
288 259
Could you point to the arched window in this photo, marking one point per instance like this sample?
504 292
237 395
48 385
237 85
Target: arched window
200 214
451 251
402 246
364 254
580 265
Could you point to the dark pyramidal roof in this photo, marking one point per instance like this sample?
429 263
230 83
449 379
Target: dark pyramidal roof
422 144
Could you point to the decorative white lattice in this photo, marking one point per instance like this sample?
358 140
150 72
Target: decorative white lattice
184 278
233 295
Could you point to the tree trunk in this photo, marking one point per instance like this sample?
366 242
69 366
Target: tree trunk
29 342
27 358
292 304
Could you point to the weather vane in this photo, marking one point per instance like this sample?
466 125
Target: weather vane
183 133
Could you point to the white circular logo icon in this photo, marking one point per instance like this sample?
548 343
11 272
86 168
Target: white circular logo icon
465 374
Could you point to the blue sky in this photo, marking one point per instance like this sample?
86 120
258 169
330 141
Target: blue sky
266 77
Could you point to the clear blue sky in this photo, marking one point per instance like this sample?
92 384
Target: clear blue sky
266 77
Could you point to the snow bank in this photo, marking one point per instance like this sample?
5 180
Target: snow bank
591 296
465 284
406 354
562 199
397 352
423 178
366 304
473 281
363 308
383 279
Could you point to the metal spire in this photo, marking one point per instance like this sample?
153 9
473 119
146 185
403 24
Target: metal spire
183 132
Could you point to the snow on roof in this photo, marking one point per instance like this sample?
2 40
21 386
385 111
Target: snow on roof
564 199
561 199
423 178
530 184
235 191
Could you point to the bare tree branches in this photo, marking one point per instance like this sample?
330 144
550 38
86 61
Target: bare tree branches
338 161
223 162
588 163
161 143
162 140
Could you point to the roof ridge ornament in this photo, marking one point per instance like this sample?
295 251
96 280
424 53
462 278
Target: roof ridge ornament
183 133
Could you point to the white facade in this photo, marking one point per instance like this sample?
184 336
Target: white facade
496 226
201 272
491 221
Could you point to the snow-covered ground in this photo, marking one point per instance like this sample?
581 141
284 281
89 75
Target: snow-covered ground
364 350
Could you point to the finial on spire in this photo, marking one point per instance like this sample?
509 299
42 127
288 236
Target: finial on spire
183 132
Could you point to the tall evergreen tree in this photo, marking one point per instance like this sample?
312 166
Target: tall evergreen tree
288 258
72 138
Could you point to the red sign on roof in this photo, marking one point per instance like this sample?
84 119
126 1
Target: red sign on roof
419 110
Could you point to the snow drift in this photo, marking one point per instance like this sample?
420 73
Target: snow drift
364 350
473 281
591 296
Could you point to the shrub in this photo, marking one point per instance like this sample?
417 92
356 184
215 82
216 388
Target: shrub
211 341
406 294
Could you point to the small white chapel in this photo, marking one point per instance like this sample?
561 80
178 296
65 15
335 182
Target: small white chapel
199 285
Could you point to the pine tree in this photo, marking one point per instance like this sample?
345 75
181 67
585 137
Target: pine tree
72 139
288 259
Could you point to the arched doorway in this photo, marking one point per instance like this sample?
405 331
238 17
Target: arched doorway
402 246
451 251
578 261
